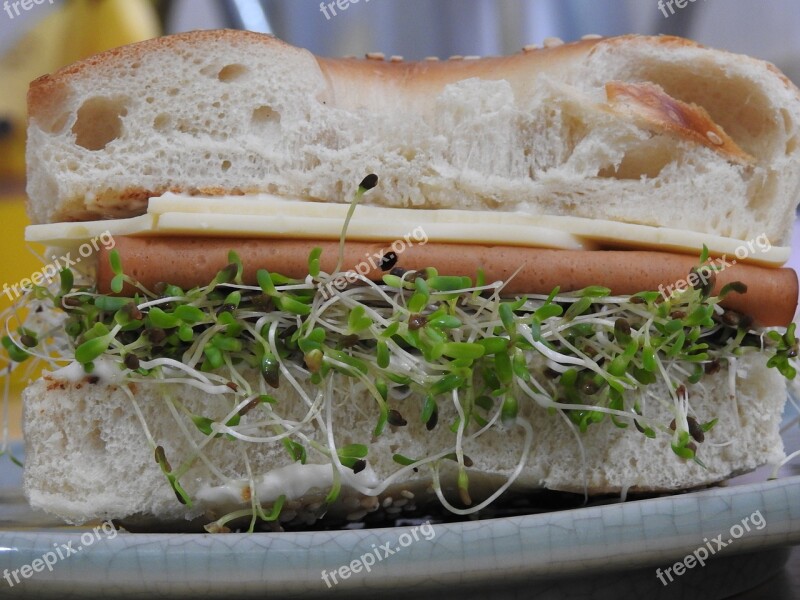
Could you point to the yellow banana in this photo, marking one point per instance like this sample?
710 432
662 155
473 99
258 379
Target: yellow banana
98 25
78 29
35 54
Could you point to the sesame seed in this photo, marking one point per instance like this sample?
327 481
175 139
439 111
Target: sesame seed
552 42
530 47
472 57
396 58
407 494
456 57
387 502
715 139
370 503
432 58
592 36
376 56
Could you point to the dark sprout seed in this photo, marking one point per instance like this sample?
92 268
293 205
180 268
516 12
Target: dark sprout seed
713 367
71 301
161 458
636 300
433 420
731 318
467 461
232 386
590 387
681 390
93 379
226 308
271 375
638 427
349 341
39 309
398 272
695 430
416 322
396 419
369 182
28 340
673 425
692 446
622 328
678 314
131 361
359 465
262 302
160 287
551 373
156 335
249 406
388 261
133 311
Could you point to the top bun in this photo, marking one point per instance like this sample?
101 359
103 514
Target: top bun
651 130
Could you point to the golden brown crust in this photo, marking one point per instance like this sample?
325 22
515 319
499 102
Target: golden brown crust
771 298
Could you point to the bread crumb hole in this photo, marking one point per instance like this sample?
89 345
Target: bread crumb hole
230 73
161 122
266 120
99 122
226 164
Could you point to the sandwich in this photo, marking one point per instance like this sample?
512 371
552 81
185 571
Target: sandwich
284 290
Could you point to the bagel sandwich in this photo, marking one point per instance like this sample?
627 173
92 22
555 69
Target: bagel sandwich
341 288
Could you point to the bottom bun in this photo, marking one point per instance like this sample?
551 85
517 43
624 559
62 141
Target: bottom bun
88 455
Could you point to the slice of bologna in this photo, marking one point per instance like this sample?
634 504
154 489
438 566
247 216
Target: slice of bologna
770 300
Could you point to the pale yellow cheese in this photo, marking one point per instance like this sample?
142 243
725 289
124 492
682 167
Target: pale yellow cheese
264 215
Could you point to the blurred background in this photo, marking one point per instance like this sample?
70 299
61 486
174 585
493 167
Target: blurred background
38 36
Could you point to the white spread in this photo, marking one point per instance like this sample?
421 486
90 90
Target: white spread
107 370
293 481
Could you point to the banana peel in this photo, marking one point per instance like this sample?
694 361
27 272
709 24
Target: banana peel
75 30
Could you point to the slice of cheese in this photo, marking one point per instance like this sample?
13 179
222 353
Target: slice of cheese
264 215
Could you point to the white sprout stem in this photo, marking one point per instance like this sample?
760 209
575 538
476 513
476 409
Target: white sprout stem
509 482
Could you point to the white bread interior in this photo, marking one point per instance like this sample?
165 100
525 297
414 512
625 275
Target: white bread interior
227 111
87 456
